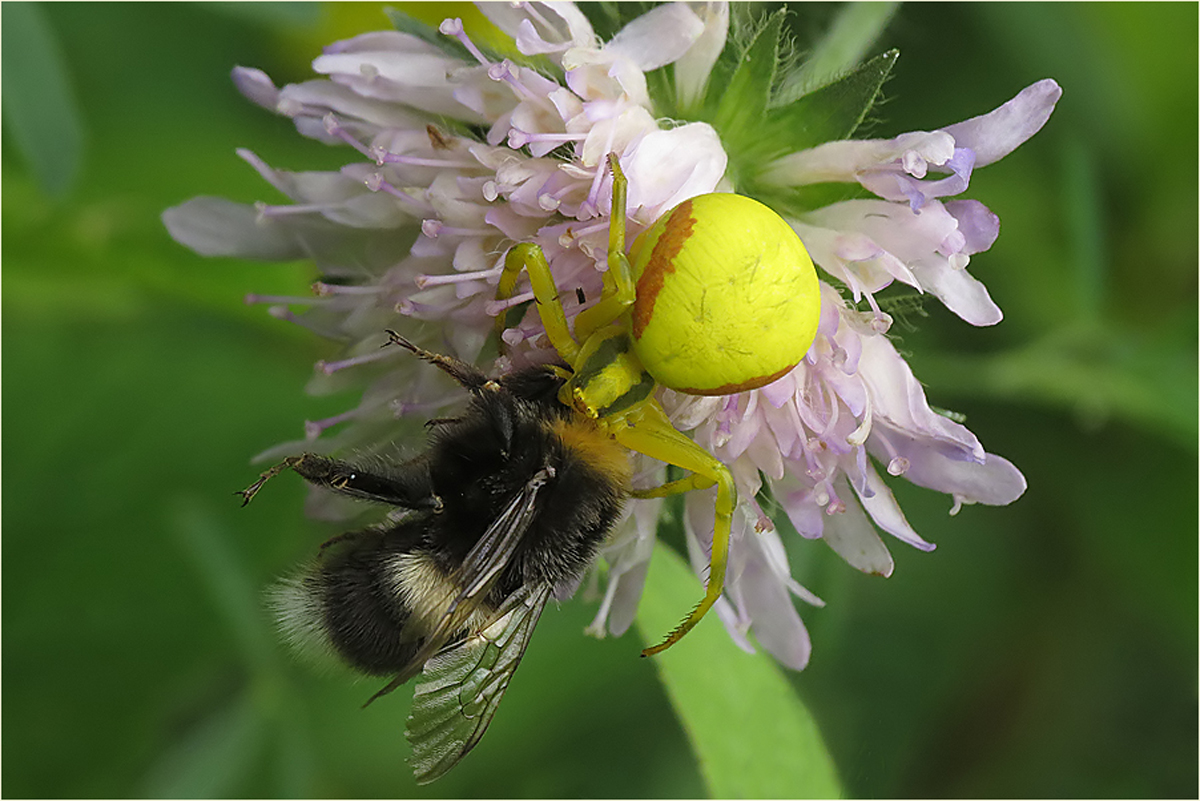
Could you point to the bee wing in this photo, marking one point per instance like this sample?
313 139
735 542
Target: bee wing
480 569
461 687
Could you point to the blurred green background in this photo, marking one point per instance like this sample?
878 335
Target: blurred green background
1045 649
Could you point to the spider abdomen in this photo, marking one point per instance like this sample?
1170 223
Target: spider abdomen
727 297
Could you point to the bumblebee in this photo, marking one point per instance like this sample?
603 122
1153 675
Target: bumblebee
505 509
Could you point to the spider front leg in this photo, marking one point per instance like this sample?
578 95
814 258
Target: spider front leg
530 258
649 431
619 290
617 296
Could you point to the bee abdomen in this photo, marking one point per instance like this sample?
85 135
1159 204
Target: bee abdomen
346 604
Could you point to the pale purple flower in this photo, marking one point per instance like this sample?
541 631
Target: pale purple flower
911 236
412 234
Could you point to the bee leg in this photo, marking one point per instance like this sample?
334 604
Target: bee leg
408 485
249 492
460 371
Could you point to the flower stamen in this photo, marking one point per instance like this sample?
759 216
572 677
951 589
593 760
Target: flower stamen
495 307
329 368
324 289
377 183
334 128
426 280
454 27
314 428
859 435
435 228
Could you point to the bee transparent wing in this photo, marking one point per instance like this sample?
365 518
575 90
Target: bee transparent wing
480 569
461 687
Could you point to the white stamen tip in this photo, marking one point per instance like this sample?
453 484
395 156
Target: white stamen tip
500 70
517 139
431 228
451 27
898 466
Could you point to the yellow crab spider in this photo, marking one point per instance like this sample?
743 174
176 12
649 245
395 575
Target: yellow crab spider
718 296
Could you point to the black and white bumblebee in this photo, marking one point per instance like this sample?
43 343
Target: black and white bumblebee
507 507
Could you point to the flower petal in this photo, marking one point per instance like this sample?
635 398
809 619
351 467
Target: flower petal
900 404
213 226
850 534
961 292
765 598
669 167
995 481
996 134
846 159
882 507
693 67
557 25
658 37
256 86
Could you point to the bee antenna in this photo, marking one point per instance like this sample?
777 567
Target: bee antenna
460 371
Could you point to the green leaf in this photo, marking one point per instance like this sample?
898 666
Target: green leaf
751 734
744 100
855 29
830 113
40 111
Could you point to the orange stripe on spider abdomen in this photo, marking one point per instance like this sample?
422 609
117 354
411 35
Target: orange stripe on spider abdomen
661 264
